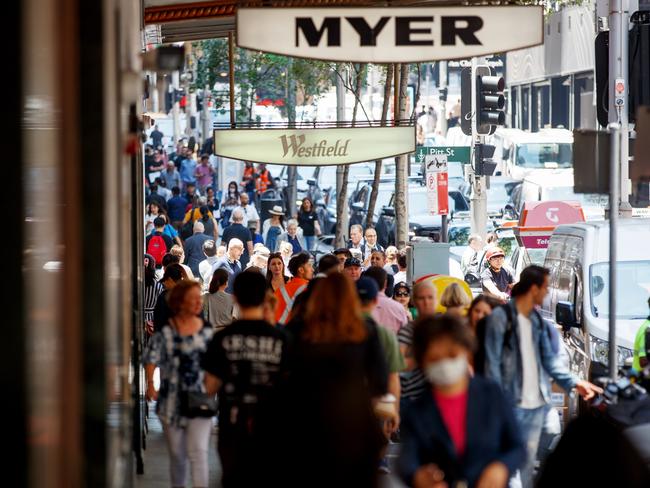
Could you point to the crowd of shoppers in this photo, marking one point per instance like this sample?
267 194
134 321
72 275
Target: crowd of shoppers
318 367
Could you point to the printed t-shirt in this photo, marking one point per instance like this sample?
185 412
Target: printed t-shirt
248 357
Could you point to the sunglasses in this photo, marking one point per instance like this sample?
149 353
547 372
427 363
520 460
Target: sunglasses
402 294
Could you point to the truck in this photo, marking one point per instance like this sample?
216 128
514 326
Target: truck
520 154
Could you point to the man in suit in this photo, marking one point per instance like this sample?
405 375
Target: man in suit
230 262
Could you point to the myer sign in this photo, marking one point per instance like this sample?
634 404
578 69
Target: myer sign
388 35
314 146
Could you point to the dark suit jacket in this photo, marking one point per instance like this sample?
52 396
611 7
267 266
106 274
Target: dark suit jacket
492 435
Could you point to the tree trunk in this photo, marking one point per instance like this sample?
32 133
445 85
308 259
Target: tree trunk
342 196
401 170
341 215
292 170
378 163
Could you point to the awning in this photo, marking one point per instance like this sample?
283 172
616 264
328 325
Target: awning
187 20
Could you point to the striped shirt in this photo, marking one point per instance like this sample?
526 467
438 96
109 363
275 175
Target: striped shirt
413 383
151 294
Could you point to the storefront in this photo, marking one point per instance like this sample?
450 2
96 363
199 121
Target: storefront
553 85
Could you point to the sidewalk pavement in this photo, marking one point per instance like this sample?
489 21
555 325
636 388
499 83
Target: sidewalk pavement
156 460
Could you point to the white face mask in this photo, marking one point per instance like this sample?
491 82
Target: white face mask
447 371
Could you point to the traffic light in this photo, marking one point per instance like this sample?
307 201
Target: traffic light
490 103
638 89
484 165
199 103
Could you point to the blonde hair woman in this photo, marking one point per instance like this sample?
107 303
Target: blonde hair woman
455 300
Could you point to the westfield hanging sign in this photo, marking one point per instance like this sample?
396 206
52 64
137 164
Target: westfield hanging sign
314 147
390 35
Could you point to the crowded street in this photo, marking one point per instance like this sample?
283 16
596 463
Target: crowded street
329 244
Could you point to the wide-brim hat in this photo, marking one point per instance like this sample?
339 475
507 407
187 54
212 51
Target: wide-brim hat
276 210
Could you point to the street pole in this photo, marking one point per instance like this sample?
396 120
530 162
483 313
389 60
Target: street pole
231 77
443 103
619 22
340 169
176 107
153 88
617 136
479 183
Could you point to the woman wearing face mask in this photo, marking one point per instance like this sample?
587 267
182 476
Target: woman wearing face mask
463 429
229 203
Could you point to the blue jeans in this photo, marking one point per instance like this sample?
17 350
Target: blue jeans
310 241
531 422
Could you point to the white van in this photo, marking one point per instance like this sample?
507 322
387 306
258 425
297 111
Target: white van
557 185
523 153
578 258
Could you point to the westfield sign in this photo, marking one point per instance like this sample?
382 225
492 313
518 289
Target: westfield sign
306 147
294 145
387 35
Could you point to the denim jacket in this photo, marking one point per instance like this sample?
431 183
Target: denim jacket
504 364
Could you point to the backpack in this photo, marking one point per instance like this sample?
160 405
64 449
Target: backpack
187 230
157 248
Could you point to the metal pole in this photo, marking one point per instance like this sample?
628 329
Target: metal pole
619 23
443 228
231 77
479 183
616 135
443 103
153 88
176 107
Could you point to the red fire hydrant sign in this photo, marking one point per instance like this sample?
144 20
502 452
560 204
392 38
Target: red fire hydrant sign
437 183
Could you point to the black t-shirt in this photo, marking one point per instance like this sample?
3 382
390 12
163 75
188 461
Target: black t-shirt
156 138
501 279
149 162
306 221
249 357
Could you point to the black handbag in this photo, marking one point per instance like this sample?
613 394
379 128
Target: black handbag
197 404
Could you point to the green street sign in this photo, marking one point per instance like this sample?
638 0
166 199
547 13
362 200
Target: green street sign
455 154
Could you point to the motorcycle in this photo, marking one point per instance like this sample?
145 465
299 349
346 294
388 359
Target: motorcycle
609 445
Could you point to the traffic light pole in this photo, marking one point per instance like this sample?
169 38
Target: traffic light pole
478 200
443 102
619 22
176 107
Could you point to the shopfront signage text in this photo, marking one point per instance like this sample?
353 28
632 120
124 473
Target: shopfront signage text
304 147
388 34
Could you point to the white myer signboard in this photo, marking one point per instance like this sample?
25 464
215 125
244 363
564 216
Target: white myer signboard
306 147
390 35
